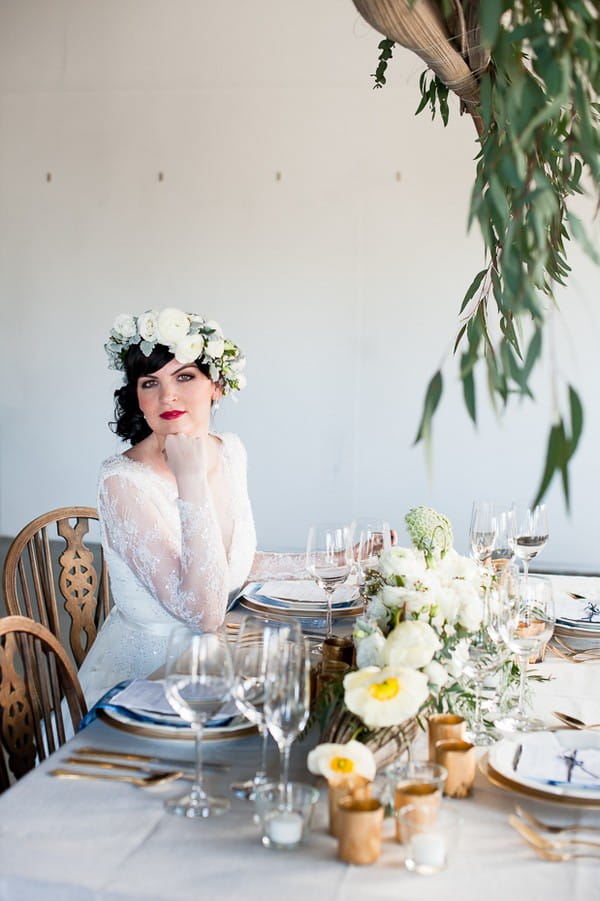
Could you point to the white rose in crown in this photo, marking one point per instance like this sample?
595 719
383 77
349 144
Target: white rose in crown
189 348
125 326
172 325
148 325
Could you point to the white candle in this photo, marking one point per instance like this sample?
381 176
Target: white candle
285 828
428 849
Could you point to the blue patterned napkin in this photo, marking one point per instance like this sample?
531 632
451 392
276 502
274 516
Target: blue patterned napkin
544 758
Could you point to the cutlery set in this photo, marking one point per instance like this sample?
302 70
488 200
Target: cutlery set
137 769
555 849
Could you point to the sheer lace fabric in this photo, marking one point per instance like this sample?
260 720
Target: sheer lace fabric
167 562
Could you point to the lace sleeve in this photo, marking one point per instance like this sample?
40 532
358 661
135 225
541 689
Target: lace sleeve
174 549
277 566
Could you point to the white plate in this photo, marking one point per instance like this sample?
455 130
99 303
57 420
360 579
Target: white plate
576 631
239 727
502 756
299 601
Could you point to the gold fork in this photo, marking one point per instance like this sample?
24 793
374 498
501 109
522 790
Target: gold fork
550 844
551 827
146 781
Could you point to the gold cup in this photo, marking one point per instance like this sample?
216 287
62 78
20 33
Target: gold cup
355 788
443 726
336 648
459 759
359 830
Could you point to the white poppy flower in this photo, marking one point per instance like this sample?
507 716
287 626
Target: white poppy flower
125 325
172 325
337 762
385 697
412 643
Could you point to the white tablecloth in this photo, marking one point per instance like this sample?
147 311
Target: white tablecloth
73 841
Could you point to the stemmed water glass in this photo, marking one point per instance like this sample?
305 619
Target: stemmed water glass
531 533
525 624
503 550
329 560
287 692
369 538
485 656
482 531
250 658
198 679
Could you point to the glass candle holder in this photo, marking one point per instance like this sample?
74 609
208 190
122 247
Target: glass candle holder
429 838
284 813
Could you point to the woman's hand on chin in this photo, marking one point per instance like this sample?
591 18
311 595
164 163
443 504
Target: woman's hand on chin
187 456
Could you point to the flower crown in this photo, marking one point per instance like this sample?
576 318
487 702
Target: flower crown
188 336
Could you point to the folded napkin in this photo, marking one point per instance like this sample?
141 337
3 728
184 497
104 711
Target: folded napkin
584 611
145 701
544 758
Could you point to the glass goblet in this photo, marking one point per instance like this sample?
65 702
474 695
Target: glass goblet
287 693
369 538
198 679
483 658
329 560
250 659
482 531
531 533
525 624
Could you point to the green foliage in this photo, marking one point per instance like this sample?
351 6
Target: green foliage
540 141
386 46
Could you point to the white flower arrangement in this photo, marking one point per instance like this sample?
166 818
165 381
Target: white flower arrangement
188 336
422 602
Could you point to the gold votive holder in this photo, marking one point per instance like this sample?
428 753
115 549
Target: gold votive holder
458 757
336 648
441 726
359 830
329 671
354 788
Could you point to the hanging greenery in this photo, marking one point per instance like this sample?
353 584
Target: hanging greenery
528 74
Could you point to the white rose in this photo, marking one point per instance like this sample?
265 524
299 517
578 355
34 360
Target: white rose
214 346
412 643
436 674
189 348
125 325
148 324
369 650
401 561
471 613
172 325
391 596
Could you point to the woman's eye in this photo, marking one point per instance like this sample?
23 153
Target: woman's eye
148 383
185 376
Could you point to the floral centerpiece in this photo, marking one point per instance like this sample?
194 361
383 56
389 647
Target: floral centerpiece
422 603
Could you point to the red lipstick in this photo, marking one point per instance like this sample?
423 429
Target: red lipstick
171 414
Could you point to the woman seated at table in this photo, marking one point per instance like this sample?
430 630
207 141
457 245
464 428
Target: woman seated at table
176 522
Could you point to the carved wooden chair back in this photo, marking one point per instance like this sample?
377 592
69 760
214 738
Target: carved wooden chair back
35 675
31 577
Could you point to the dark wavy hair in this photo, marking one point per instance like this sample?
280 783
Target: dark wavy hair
129 422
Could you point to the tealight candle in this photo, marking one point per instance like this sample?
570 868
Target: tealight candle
285 828
428 850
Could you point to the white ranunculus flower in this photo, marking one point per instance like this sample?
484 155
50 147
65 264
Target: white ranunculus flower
385 697
448 604
436 674
471 612
401 561
338 762
172 325
214 346
147 325
189 348
125 325
369 650
391 596
412 643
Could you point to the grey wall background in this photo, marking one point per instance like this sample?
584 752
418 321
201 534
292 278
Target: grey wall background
233 159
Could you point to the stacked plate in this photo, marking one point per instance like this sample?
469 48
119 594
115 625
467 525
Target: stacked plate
300 598
561 766
578 617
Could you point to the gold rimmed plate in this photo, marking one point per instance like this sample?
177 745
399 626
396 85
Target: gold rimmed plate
239 727
537 794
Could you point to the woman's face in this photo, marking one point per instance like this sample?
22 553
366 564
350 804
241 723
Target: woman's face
176 400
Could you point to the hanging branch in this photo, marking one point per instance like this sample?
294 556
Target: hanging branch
529 76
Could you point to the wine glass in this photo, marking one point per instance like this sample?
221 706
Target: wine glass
525 624
485 655
482 532
503 550
250 658
287 692
369 538
329 560
198 679
531 533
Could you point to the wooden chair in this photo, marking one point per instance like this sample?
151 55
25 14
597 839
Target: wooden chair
30 582
35 675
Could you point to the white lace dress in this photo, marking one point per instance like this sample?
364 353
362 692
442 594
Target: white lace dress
167 562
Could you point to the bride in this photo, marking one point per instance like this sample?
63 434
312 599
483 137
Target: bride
176 522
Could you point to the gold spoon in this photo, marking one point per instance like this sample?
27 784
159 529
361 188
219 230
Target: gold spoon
129 767
548 844
550 827
145 781
573 722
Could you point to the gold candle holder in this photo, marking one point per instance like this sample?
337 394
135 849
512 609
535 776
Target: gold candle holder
442 726
459 759
354 788
359 835
336 648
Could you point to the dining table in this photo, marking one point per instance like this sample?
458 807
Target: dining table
84 839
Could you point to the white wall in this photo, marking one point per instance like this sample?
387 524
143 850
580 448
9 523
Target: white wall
341 276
